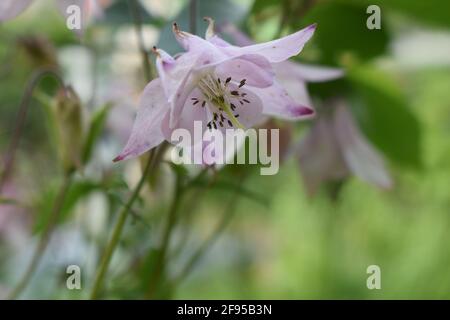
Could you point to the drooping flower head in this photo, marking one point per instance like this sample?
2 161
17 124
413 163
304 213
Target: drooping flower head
335 148
221 85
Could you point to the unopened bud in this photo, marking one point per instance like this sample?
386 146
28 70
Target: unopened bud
69 123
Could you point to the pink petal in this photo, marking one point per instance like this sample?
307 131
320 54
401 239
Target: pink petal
278 103
361 157
258 74
297 90
147 129
307 72
280 49
9 9
194 109
239 38
319 156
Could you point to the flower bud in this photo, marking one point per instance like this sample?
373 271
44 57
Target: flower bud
69 127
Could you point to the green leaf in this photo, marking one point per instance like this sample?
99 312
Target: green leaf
384 115
342 29
95 130
8 201
261 5
119 14
231 186
146 272
77 191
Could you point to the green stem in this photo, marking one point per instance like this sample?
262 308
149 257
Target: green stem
36 77
137 20
45 238
161 257
228 214
193 16
106 259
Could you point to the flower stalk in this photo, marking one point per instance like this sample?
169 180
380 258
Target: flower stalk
45 237
34 81
117 232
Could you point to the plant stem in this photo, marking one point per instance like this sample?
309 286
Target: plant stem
193 16
161 257
45 238
228 214
21 117
106 258
137 20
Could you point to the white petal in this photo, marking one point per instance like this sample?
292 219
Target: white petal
361 157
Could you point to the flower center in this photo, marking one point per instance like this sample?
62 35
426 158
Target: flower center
219 95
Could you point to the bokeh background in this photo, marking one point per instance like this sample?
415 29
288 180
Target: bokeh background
280 242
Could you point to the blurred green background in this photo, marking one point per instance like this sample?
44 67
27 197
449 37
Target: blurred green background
281 243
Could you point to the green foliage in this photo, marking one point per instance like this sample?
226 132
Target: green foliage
342 29
77 192
385 116
96 125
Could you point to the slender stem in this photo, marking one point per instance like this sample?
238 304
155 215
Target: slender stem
161 257
45 238
106 259
21 117
193 16
228 214
137 20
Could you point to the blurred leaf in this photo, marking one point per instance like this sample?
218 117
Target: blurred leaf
147 269
261 5
342 29
8 201
119 14
220 10
95 130
384 115
231 186
77 191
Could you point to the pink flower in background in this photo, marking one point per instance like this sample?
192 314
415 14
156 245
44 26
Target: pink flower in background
292 76
221 85
90 9
334 148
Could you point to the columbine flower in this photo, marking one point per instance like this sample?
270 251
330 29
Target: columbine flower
335 148
291 75
221 85
9 9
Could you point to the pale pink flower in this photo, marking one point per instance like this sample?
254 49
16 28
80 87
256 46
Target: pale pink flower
221 85
335 148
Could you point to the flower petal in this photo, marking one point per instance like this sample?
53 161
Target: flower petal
277 50
147 129
9 9
194 109
307 72
259 74
361 157
239 38
319 155
278 103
